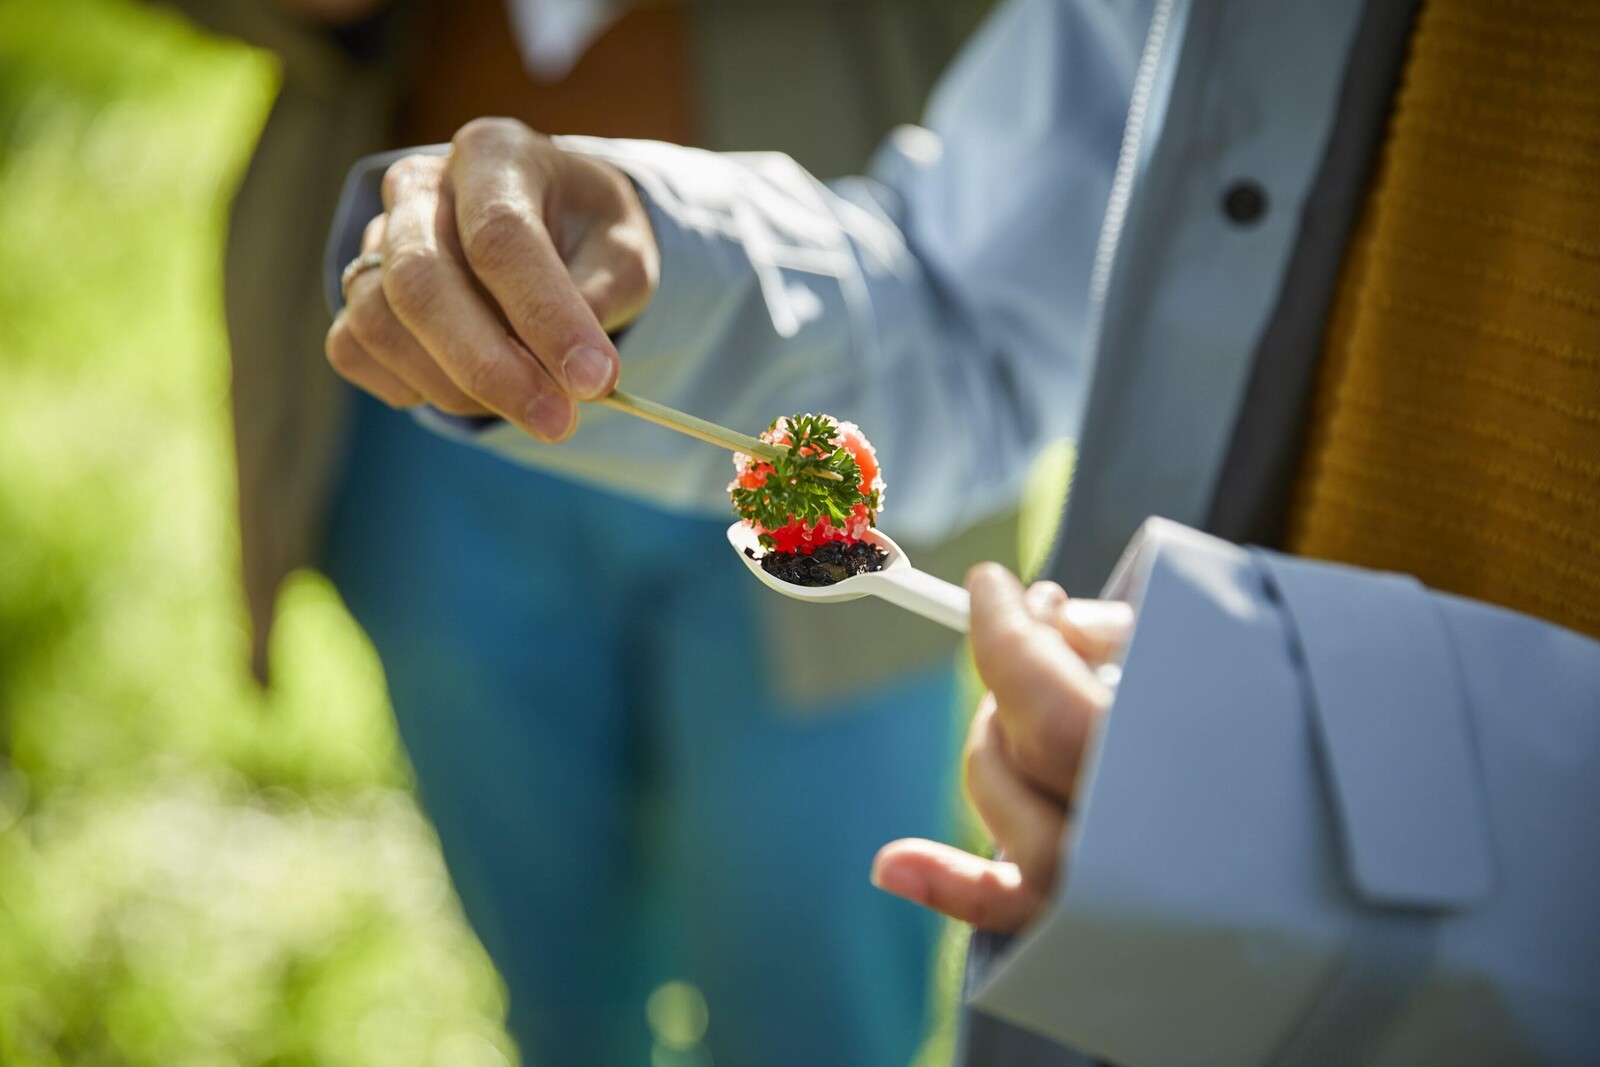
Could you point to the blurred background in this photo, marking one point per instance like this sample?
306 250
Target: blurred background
192 871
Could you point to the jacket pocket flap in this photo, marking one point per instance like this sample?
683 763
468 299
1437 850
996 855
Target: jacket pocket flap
1394 734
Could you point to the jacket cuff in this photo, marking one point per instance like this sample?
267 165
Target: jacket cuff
1229 856
703 295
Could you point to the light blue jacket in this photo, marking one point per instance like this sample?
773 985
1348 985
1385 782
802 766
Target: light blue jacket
1334 817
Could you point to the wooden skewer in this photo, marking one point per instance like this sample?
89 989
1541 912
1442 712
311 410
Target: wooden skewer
710 432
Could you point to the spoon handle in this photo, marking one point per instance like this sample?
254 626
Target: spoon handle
949 605
923 594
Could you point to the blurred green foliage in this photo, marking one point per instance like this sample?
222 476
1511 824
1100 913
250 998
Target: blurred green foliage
191 873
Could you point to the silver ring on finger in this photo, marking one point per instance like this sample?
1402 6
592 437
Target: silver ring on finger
365 261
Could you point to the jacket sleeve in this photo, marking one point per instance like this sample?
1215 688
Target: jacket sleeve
1332 817
939 303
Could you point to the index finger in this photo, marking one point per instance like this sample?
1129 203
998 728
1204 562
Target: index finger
1046 697
500 188
432 294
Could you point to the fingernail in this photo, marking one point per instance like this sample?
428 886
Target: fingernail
550 415
588 371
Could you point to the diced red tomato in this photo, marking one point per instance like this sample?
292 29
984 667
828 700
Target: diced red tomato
865 455
754 476
799 536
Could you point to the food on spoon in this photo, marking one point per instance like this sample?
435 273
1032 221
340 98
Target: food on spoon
812 528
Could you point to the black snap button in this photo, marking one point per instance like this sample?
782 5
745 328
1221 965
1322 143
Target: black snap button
1245 202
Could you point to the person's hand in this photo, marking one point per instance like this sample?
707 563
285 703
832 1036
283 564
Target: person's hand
1036 650
503 265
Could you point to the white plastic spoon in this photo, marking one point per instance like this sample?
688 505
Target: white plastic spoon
898 582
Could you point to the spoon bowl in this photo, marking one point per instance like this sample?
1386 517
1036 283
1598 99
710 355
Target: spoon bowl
898 582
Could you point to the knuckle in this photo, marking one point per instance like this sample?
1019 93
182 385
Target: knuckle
411 280
1046 751
403 173
1034 762
487 131
394 180
977 782
1059 735
1045 598
494 234
980 740
367 316
344 352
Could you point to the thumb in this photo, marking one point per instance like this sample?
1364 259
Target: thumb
989 894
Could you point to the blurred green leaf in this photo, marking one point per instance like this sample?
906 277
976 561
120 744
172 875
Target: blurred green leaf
191 873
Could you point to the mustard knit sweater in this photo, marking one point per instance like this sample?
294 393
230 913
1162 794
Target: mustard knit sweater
1455 431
